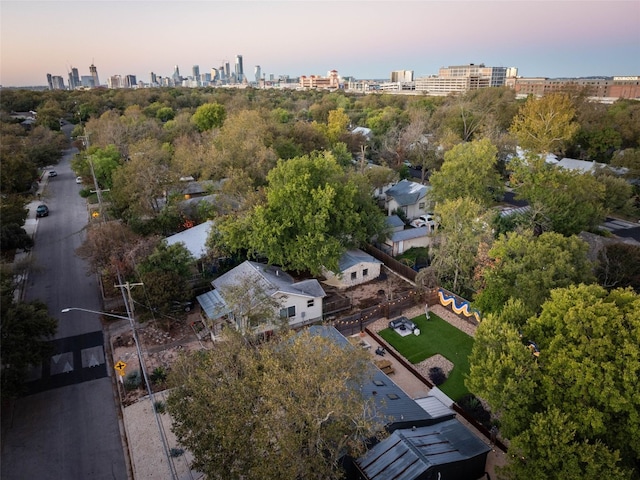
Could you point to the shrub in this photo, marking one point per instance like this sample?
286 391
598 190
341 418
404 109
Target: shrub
473 406
158 375
133 380
437 376
160 406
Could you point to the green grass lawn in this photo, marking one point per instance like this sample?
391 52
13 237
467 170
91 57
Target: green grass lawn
436 336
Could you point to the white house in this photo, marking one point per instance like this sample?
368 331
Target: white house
355 267
299 302
409 197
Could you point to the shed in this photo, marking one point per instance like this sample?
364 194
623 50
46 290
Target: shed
446 450
355 267
401 241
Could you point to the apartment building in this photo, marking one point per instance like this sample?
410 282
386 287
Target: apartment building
332 80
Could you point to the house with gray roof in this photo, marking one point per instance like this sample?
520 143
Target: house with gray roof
194 239
298 302
354 268
426 439
409 197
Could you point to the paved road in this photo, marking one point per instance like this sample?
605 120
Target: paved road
67 427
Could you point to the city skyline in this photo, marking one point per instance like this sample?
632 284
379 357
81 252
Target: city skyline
363 39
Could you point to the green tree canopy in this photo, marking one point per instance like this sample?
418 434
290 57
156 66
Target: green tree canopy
313 212
462 230
469 170
208 116
293 399
525 267
545 125
25 330
563 201
579 395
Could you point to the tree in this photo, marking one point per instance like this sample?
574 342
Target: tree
25 330
313 212
104 161
619 266
462 230
469 170
545 125
337 125
13 214
564 201
584 335
208 116
304 384
140 185
527 268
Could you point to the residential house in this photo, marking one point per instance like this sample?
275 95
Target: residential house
355 267
408 197
426 439
300 302
194 239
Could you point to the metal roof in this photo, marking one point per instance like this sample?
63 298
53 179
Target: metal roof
213 305
354 257
408 454
409 233
394 221
194 239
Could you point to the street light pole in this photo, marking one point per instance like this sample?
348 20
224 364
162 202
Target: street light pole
144 376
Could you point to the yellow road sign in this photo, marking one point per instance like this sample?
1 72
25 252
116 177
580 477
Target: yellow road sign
120 366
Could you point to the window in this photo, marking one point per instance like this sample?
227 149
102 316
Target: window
378 383
354 275
392 396
288 312
310 303
421 205
365 272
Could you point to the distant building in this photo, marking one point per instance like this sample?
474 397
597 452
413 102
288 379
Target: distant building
130 81
402 76
50 81
57 83
597 87
257 73
462 78
315 81
239 69
177 79
115 81
93 71
74 79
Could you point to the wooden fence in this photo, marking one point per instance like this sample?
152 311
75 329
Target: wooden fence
398 267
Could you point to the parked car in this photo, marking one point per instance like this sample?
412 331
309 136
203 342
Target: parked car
42 211
78 179
426 220
53 173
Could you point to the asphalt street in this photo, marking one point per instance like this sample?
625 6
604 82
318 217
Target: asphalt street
68 426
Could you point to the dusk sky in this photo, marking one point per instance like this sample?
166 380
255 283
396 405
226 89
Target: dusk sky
364 39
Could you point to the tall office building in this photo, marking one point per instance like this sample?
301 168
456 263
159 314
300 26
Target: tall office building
94 73
74 79
57 82
195 71
227 71
239 69
130 81
153 79
50 81
258 73
177 79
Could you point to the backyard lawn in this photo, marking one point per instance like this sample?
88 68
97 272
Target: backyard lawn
436 337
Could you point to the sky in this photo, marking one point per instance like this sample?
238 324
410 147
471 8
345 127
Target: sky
365 39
